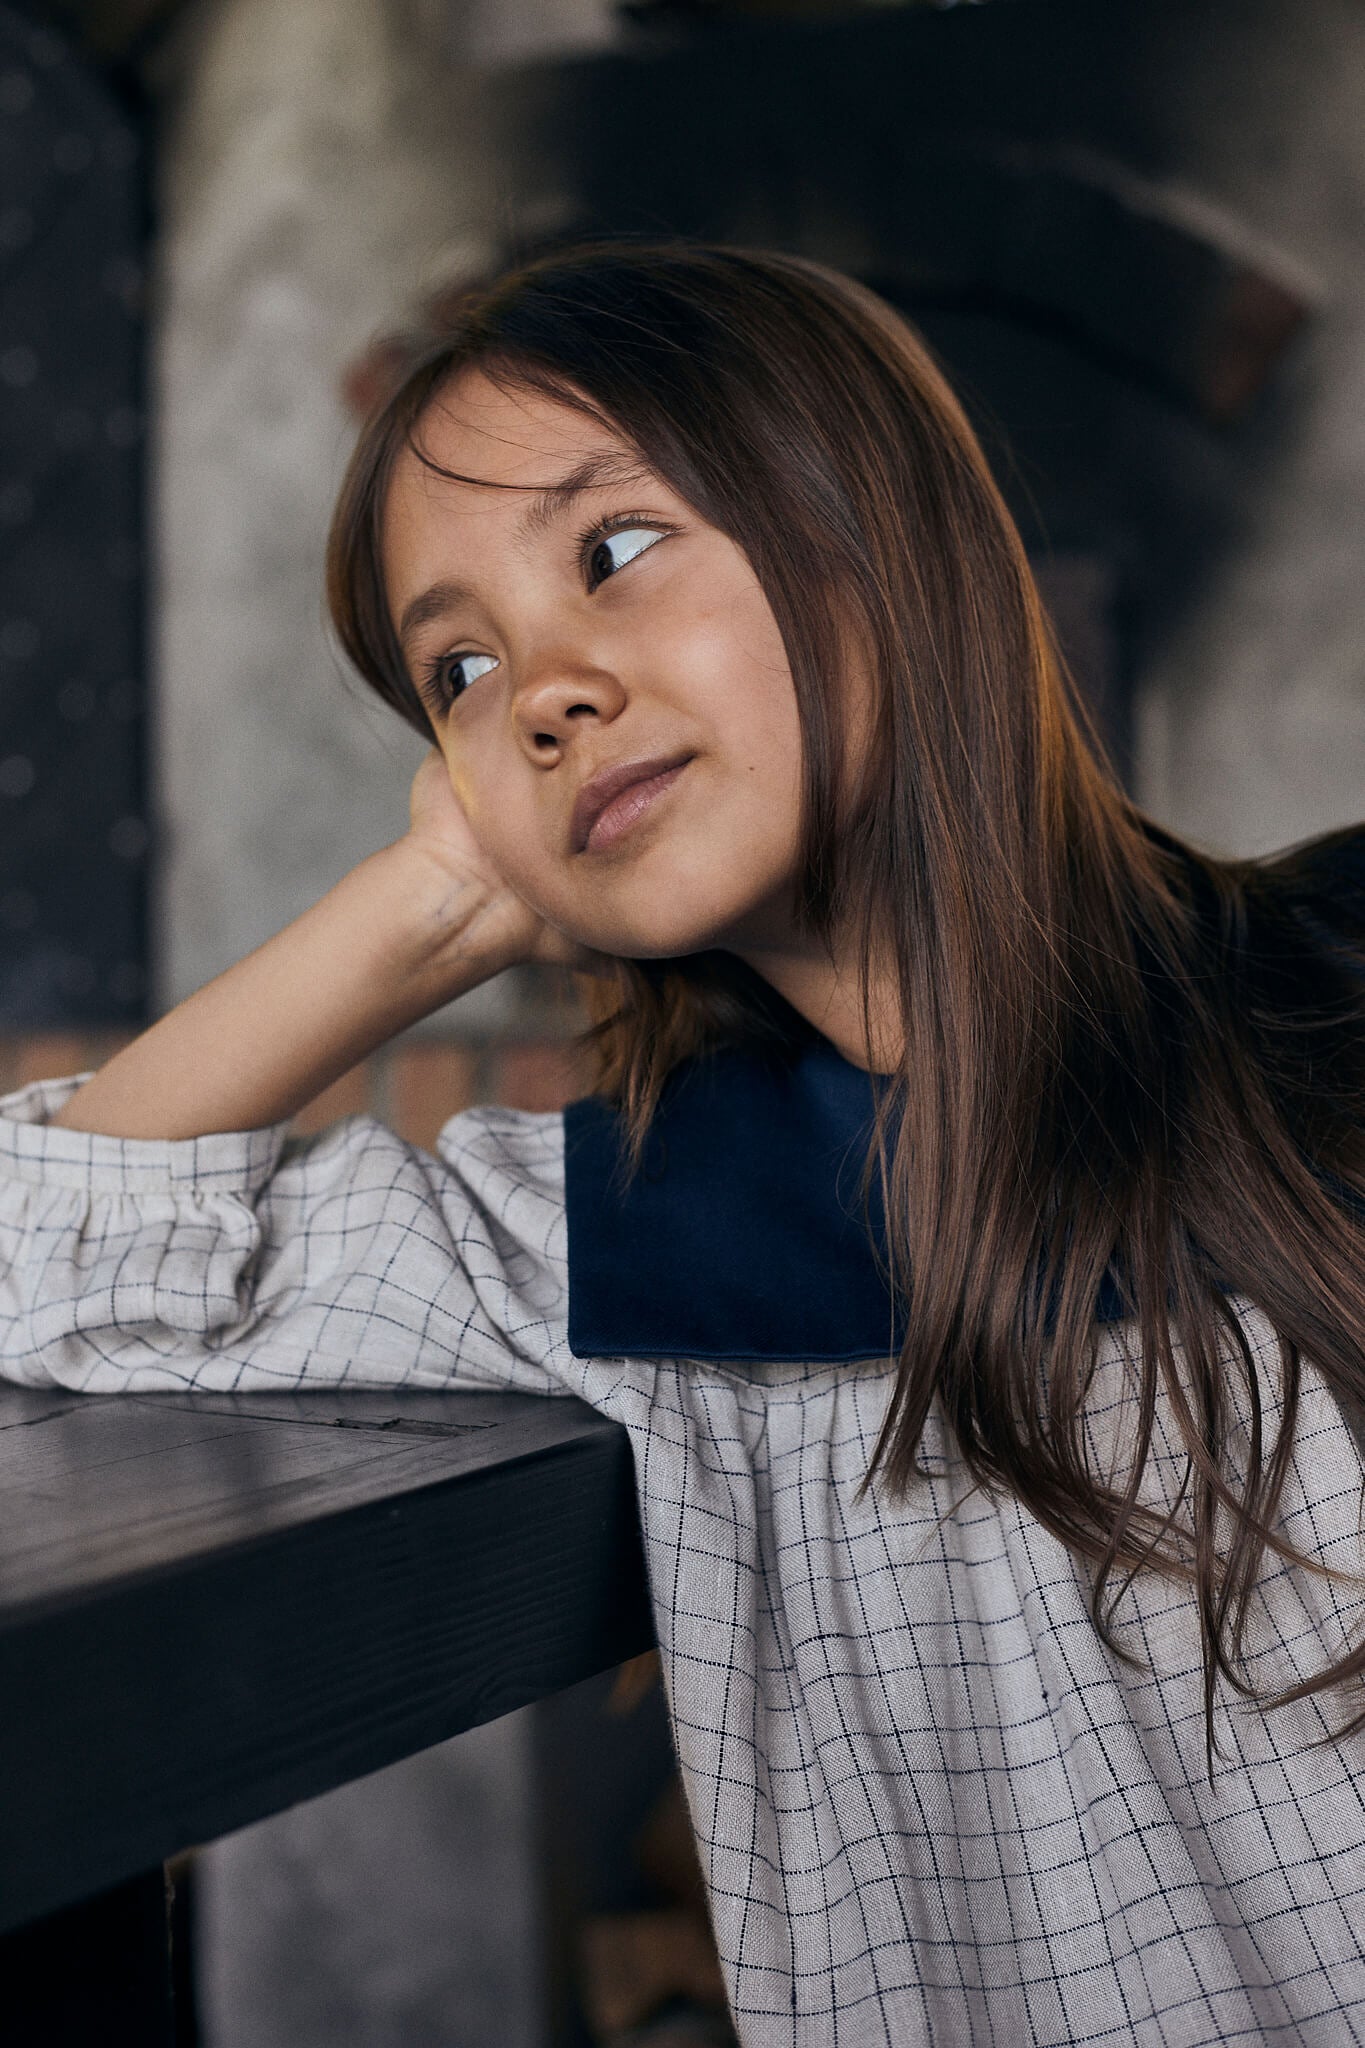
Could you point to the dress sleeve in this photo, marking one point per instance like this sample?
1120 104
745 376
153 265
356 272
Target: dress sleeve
248 1260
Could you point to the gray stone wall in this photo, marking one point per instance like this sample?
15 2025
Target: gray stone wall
400 1912
1252 716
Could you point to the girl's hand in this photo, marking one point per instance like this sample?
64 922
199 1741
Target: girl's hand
416 925
506 924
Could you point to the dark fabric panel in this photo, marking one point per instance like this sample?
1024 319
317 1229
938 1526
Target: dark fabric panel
743 1235
73 806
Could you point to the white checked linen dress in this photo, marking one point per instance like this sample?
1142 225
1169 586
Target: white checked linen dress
931 1807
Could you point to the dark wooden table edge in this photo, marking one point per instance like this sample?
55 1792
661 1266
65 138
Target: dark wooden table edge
466 1597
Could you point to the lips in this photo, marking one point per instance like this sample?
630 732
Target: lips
600 791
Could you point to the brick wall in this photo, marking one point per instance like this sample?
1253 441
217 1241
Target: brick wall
412 1085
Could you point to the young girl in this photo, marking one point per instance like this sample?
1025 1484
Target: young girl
968 1226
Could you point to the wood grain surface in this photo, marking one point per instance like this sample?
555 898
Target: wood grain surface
213 1606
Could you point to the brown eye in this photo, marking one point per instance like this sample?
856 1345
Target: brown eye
450 676
614 550
458 671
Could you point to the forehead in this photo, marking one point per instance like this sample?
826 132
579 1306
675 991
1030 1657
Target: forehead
510 436
516 442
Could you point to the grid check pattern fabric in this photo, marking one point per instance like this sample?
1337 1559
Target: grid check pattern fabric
931 1806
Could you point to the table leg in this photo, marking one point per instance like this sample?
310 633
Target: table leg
94 1975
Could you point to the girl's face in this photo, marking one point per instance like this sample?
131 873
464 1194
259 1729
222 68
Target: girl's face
586 631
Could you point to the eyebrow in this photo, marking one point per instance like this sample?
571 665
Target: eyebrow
595 473
429 605
549 504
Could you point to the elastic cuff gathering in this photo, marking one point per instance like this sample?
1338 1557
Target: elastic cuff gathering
225 1162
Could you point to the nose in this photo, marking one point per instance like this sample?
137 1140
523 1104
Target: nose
558 697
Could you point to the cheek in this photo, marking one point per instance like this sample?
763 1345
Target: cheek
734 635
763 730
511 836
490 797
734 667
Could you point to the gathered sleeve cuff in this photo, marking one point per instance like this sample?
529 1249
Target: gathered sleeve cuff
262 1259
35 1151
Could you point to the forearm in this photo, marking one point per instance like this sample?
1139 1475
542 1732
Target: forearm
394 940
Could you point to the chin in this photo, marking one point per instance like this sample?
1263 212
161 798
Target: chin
669 938
683 908
674 944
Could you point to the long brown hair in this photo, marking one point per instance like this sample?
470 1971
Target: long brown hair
1121 1056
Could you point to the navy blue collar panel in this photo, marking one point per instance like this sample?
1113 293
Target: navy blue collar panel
744 1234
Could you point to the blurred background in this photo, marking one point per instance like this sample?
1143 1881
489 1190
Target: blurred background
1135 233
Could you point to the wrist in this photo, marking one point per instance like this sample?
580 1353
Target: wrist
398 937
439 921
